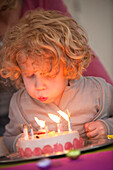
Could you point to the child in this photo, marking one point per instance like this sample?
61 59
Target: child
45 55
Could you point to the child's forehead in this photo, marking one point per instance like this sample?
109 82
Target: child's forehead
32 65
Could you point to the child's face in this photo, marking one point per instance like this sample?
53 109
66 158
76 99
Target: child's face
47 89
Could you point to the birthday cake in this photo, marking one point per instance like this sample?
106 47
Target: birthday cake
51 143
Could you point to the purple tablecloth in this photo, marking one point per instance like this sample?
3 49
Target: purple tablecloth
91 161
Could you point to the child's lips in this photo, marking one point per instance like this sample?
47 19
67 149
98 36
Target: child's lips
42 99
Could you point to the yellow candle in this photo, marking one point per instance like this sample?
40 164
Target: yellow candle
67 118
57 120
69 122
25 131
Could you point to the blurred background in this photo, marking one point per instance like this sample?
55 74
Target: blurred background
96 17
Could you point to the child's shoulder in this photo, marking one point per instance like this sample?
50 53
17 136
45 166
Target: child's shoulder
97 82
91 82
88 80
21 93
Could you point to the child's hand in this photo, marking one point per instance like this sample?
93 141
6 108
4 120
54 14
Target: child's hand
96 130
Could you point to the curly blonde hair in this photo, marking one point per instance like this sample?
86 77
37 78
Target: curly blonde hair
42 35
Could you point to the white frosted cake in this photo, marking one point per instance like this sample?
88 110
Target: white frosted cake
49 144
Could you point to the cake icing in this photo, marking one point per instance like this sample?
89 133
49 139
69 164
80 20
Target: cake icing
50 143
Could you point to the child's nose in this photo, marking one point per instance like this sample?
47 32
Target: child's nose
40 84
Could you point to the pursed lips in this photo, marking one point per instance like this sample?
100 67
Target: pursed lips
42 99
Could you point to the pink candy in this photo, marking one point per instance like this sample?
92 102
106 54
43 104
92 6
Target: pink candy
28 152
47 149
58 147
37 151
68 146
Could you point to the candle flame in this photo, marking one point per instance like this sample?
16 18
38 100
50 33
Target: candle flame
64 115
41 123
54 117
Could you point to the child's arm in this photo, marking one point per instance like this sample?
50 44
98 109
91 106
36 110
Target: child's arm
11 140
102 126
14 129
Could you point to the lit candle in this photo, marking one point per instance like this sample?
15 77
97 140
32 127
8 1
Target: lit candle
69 122
59 127
67 118
25 131
42 125
46 129
31 131
57 120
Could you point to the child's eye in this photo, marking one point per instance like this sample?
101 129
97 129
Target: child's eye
29 76
49 76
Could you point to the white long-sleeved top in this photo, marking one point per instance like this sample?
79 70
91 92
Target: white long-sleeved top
87 99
